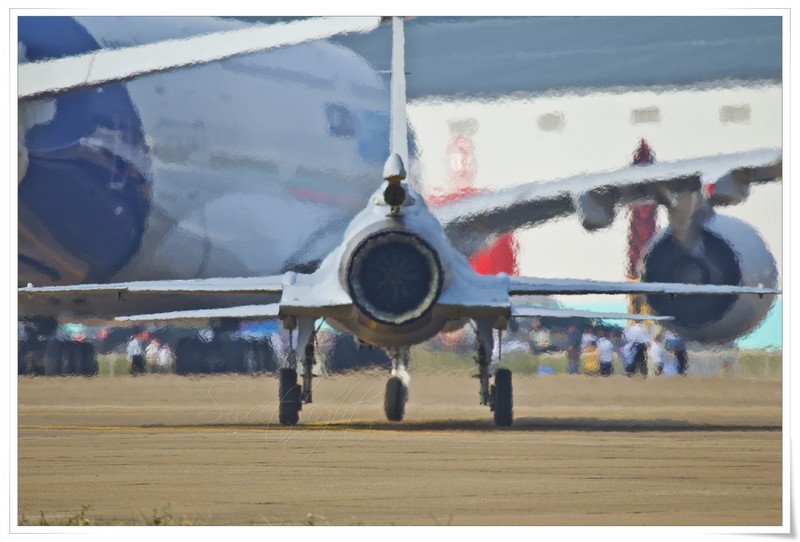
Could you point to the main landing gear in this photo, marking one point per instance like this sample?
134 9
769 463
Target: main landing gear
496 390
499 395
291 394
495 383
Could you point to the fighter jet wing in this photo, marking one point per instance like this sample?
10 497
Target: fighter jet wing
102 302
471 220
523 312
193 317
39 79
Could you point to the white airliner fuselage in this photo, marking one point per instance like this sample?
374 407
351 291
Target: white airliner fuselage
254 163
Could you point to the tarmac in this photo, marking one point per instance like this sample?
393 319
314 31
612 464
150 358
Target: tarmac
694 451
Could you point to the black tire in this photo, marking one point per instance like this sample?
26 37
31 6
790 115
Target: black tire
89 366
640 359
23 366
54 351
138 365
188 356
72 357
503 398
683 361
394 401
289 397
214 357
37 357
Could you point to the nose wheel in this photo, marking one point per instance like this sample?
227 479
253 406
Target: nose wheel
394 402
396 396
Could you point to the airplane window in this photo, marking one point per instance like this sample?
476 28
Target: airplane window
646 115
373 136
734 113
551 122
339 121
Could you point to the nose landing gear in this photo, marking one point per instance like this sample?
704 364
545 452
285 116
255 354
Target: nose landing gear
396 396
291 394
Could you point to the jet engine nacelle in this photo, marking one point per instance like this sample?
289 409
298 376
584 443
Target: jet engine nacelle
394 277
725 250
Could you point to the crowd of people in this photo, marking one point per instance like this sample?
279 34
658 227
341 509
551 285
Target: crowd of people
639 349
146 355
589 350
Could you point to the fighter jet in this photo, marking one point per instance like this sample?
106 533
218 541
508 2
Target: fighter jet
396 278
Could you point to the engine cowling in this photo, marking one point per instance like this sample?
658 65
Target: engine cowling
394 277
727 251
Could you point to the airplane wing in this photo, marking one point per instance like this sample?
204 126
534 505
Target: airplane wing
272 310
528 312
39 79
103 302
540 286
471 220
201 300
193 317
245 285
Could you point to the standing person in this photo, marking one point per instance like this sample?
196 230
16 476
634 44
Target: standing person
588 338
135 354
539 338
573 350
655 354
589 352
678 346
151 354
165 359
605 353
636 340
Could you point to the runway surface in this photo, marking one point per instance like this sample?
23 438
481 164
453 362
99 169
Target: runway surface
582 451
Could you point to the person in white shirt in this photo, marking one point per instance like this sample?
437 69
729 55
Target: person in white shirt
587 339
151 354
165 359
135 354
655 354
605 353
636 341
674 342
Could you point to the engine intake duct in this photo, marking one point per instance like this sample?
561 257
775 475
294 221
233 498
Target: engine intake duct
723 250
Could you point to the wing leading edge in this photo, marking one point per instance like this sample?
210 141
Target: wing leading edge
105 302
201 300
539 286
38 79
469 221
